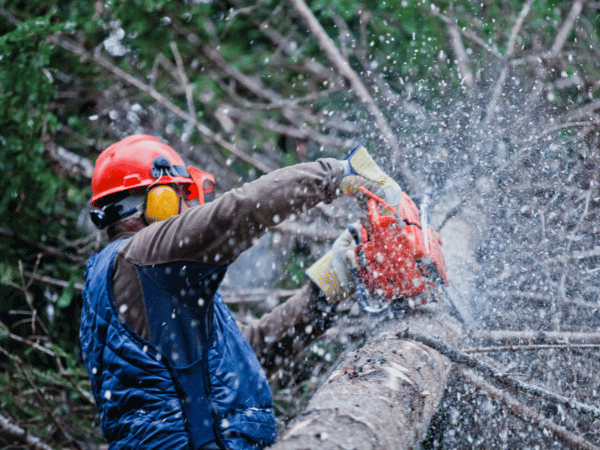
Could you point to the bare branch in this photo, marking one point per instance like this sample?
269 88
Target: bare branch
520 348
4 332
462 59
499 86
561 126
16 432
45 407
70 162
515 29
184 80
292 49
53 281
292 131
539 296
520 410
252 84
44 248
467 33
342 66
567 26
536 337
459 357
583 111
202 129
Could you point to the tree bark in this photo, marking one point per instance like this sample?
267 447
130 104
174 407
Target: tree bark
385 393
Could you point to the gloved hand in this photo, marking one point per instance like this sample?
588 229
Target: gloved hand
361 170
332 272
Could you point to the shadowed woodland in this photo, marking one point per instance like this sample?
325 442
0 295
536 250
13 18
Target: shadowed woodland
489 107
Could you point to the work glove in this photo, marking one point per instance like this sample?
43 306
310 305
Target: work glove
332 273
361 170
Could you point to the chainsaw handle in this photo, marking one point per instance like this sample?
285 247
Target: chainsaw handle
373 210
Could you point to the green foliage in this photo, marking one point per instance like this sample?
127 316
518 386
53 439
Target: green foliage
27 90
38 207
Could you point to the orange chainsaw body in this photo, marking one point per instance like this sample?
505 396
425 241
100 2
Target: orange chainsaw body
393 261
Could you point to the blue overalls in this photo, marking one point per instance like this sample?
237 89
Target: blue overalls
196 385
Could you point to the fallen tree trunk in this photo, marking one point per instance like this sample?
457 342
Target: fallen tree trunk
385 393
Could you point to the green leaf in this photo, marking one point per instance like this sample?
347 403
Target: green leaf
7 273
4 331
65 299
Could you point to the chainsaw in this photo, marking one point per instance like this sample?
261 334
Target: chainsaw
399 257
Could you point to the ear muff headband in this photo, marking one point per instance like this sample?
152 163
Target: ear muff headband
162 202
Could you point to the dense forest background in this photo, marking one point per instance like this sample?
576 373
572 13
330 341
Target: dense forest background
490 107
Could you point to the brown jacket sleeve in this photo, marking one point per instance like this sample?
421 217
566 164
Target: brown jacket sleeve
278 336
217 232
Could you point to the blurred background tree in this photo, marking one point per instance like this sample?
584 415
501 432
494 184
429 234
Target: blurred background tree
479 97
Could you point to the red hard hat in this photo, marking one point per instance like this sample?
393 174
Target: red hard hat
137 161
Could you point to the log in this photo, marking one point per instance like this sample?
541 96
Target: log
385 393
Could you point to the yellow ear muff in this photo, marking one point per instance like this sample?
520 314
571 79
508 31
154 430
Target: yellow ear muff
162 202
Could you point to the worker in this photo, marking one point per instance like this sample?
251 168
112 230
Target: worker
169 366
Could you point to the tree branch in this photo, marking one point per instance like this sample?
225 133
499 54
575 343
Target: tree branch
508 337
499 86
459 357
566 27
187 87
297 132
467 33
16 432
202 129
464 72
44 248
520 410
515 29
343 67
515 348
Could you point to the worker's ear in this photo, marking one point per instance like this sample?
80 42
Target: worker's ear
161 203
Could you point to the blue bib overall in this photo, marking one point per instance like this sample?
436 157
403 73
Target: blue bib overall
197 383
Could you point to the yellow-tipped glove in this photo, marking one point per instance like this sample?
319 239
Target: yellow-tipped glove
361 170
332 272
